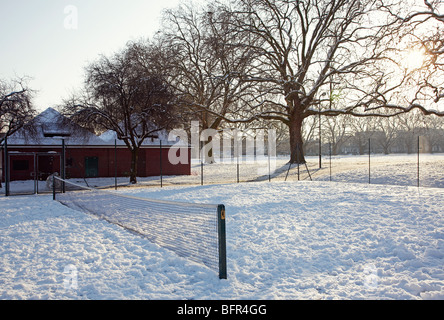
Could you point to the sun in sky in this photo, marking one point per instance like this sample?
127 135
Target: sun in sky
414 59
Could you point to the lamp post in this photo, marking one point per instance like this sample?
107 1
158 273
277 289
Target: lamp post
62 161
6 168
320 142
1 165
320 138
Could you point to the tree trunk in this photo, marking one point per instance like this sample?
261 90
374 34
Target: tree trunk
334 149
296 141
386 148
133 169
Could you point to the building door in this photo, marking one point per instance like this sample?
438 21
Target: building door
47 164
91 167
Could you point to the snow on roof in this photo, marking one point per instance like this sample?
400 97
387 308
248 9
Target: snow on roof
50 126
162 136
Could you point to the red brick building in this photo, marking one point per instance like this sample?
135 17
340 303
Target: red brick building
40 152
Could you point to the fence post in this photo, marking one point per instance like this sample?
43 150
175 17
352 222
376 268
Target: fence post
298 173
237 153
237 168
298 158
63 165
418 164
36 181
369 151
330 157
201 164
161 175
7 176
53 188
115 164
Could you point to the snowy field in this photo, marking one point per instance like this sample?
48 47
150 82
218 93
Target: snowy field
285 240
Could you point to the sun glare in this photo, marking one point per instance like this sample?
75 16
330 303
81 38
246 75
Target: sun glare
414 60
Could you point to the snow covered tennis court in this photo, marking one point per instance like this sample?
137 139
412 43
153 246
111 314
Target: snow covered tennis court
285 240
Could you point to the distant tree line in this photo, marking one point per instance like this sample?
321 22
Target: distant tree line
397 134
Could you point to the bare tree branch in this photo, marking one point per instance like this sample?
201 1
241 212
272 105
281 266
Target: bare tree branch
123 95
308 47
16 109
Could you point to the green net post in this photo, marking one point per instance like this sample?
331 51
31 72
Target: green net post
222 242
53 188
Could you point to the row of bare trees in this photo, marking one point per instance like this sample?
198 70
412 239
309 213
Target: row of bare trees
260 63
347 134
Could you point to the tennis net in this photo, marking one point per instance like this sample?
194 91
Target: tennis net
194 231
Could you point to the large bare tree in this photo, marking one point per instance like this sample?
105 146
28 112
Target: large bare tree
123 95
205 62
309 48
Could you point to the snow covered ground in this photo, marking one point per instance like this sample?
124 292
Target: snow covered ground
285 240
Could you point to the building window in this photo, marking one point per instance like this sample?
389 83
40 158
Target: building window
20 165
91 167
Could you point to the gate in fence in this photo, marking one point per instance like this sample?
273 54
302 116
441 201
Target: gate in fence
25 173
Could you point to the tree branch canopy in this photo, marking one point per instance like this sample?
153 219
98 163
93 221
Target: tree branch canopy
16 108
306 49
205 62
126 96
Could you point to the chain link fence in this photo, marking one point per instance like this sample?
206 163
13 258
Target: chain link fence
419 168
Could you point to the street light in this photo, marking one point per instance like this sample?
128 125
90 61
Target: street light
62 160
320 140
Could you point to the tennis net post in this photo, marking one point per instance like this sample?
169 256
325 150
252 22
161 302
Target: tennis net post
222 242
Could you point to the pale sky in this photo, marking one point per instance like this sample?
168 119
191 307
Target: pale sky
43 39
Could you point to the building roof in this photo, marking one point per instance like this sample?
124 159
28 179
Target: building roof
110 136
50 126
